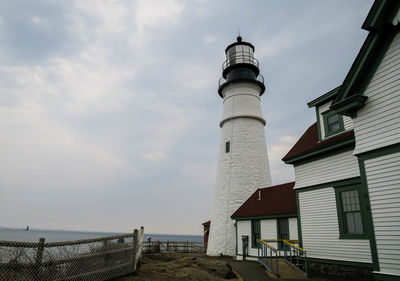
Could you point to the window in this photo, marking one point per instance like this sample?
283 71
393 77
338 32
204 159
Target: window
231 56
349 213
283 232
255 233
352 222
227 146
333 123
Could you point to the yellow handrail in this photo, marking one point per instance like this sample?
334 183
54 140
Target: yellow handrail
297 247
280 240
289 242
265 242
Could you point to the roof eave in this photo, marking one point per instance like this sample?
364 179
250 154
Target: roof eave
324 98
272 216
350 141
373 15
381 13
350 105
379 23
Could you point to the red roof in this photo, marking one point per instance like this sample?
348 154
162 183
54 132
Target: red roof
274 200
309 141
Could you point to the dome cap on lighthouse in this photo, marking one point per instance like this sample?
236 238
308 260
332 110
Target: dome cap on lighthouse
239 42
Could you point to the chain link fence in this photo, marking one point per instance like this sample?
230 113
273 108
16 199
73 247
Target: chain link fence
80 260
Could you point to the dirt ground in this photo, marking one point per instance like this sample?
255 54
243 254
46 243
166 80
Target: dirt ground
198 267
181 267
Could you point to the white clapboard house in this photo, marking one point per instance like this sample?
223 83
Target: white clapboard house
347 164
269 213
344 206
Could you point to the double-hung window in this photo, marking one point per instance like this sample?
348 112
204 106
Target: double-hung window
349 212
333 123
255 233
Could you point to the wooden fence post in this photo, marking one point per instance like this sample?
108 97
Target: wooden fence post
39 257
140 244
135 246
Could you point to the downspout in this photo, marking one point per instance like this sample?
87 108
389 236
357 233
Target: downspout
236 230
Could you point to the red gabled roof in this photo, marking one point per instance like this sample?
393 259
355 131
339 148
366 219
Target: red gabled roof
309 141
274 200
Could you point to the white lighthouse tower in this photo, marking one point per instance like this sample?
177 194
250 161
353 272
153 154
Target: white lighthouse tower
243 160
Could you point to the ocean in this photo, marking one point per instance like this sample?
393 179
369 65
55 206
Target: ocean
33 235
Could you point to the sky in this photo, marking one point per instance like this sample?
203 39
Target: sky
109 110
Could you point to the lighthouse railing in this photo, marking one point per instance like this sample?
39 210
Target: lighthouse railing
240 57
222 80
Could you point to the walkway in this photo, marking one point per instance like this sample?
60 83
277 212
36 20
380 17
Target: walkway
251 271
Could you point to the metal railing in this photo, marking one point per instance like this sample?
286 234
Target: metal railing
240 57
94 259
296 256
293 255
268 256
173 246
222 80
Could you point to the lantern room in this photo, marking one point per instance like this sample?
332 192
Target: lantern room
240 66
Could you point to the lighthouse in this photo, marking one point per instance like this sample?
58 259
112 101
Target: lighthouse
243 165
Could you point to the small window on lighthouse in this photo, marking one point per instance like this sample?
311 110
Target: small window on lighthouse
227 146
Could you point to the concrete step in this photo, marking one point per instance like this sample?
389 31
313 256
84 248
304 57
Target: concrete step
287 271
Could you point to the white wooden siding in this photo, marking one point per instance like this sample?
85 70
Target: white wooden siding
323 108
293 233
347 121
269 230
320 229
336 167
377 123
383 178
244 228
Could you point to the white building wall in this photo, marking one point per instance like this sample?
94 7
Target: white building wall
293 232
323 108
320 229
269 230
241 171
377 123
243 228
347 121
336 167
383 179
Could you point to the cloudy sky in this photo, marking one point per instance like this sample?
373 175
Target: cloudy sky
109 110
